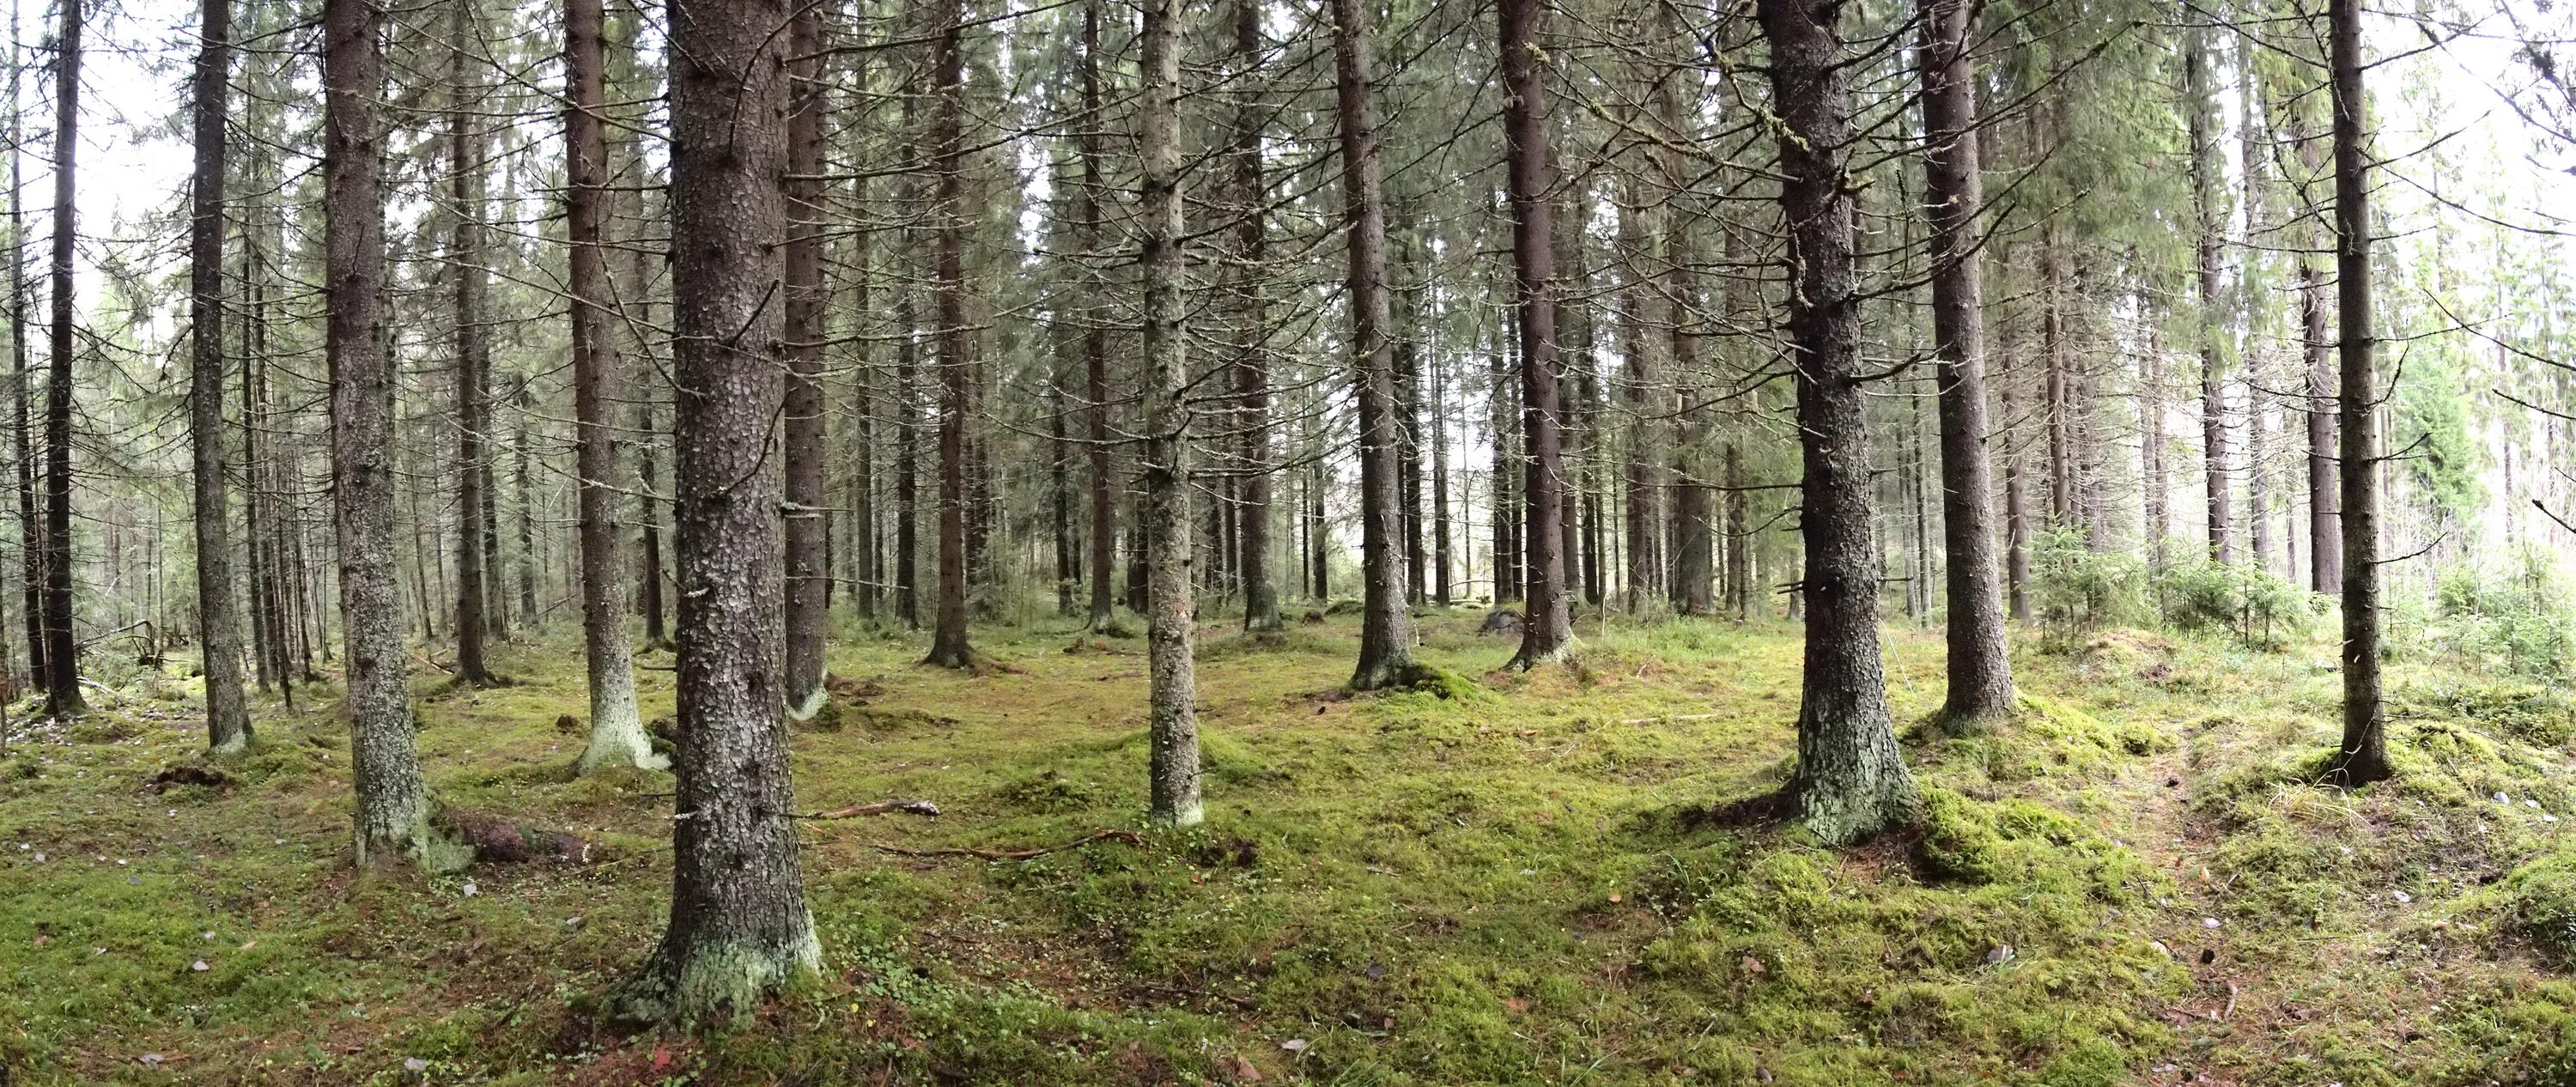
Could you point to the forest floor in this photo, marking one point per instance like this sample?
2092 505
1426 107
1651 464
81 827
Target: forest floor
1518 880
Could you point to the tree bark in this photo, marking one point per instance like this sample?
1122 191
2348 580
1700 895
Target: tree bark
739 924
1095 341
2363 757
2325 543
1173 718
1979 668
31 536
62 664
2204 196
1546 628
473 357
218 618
1252 370
1851 781
616 728
393 801
948 648
1386 628
808 580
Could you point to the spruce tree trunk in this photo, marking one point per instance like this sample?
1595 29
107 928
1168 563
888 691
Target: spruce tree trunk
31 537
1978 668
62 664
2204 196
1546 630
948 648
1095 342
1851 781
2363 757
2325 543
1386 629
473 357
808 579
616 728
1170 617
393 802
218 619
739 925
1252 370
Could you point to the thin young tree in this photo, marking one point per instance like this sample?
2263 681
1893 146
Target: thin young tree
2363 756
1386 628
739 927
1851 781
31 537
808 580
1978 668
393 801
2200 108
616 728
62 663
218 619
1252 367
1547 628
1173 717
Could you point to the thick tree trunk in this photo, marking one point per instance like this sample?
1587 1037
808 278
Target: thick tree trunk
1252 369
1546 628
1172 726
1851 781
1386 629
739 925
218 620
62 664
1979 669
2363 757
616 728
808 579
2204 196
393 802
948 648
473 356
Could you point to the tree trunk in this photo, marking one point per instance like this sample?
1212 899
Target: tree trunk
656 635
1546 629
616 728
1252 369
2363 757
1979 669
62 664
1173 718
948 648
31 536
2204 190
808 579
1095 341
739 924
393 802
1851 781
2325 544
473 356
1386 629
218 621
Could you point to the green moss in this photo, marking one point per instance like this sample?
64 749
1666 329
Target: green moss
1959 840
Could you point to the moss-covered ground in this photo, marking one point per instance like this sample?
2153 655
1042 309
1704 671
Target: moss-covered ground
1496 879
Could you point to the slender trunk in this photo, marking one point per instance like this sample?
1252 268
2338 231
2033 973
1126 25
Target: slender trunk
393 801
808 579
907 469
650 473
473 357
1440 533
1546 629
1386 629
2363 756
1851 781
739 925
527 506
2325 543
1979 669
218 621
1095 340
31 538
1252 369
616 728
2204 190
62 681
1173 719
948 647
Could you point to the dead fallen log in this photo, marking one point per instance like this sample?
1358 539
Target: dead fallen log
916 807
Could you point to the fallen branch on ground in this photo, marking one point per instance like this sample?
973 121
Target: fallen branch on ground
916 807
1128 836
